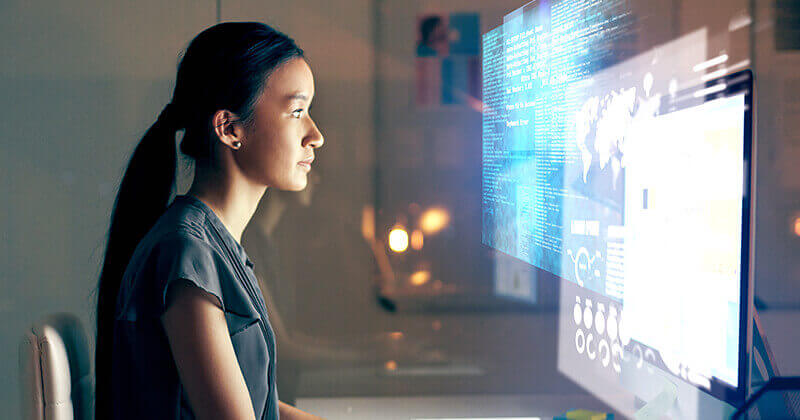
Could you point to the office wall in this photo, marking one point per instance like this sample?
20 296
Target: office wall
778 195
80 82
778 130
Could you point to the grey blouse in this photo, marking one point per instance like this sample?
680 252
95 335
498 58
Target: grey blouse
187 242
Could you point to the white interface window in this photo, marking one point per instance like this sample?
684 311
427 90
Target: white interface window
683 217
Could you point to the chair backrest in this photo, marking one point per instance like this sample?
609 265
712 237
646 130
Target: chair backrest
54 368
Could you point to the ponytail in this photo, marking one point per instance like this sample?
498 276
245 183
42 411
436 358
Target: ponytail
224 67
143 196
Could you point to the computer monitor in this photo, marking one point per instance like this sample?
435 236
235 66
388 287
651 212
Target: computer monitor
630 178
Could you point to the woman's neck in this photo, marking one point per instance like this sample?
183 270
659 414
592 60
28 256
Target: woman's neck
230 195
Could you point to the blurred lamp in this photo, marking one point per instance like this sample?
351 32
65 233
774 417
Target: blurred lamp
398 239
434 219
418 278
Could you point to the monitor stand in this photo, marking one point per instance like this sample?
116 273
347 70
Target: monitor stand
763 366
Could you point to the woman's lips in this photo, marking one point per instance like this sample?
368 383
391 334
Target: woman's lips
306 163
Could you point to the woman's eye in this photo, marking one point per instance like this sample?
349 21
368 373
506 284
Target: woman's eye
297 113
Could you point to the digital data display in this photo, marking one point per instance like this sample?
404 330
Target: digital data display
533 66
613 172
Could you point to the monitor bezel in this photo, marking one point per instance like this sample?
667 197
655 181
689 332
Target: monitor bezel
741 83
738 83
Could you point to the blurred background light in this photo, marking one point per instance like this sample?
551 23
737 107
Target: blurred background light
398 239
418 278
797 226
417 239
434 220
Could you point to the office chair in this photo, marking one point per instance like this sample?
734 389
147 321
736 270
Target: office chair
54 370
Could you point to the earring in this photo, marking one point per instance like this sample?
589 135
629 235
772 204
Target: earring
237 144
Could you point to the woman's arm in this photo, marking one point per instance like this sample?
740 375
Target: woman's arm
287 412
201 345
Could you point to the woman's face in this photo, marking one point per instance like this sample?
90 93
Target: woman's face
278 148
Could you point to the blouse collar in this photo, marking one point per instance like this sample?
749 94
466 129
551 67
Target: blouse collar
230 241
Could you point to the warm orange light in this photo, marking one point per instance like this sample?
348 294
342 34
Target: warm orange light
390 365
398 240
434 219
396 335
417 239
420 277
368 223
797 226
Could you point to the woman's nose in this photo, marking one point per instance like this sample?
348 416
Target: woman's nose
314 138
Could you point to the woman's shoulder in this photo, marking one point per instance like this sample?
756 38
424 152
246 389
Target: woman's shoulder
179 228
181 218
177 246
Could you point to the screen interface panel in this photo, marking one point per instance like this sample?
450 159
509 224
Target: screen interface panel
608 170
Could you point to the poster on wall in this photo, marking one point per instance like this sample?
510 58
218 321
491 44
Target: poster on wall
447 59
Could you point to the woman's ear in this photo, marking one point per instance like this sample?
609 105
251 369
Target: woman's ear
226 126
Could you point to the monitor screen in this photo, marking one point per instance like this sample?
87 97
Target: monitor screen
612 172
681 246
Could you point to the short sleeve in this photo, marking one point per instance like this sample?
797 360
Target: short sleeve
186 257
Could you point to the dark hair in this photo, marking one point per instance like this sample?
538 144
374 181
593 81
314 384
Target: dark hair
224 67
427 26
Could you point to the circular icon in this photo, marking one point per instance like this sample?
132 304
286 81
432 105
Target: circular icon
612 327
589 352
600 322
587 318
605 352
616 357
583 265
580 341
576 314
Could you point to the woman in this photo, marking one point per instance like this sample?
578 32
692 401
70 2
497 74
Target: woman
182 329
